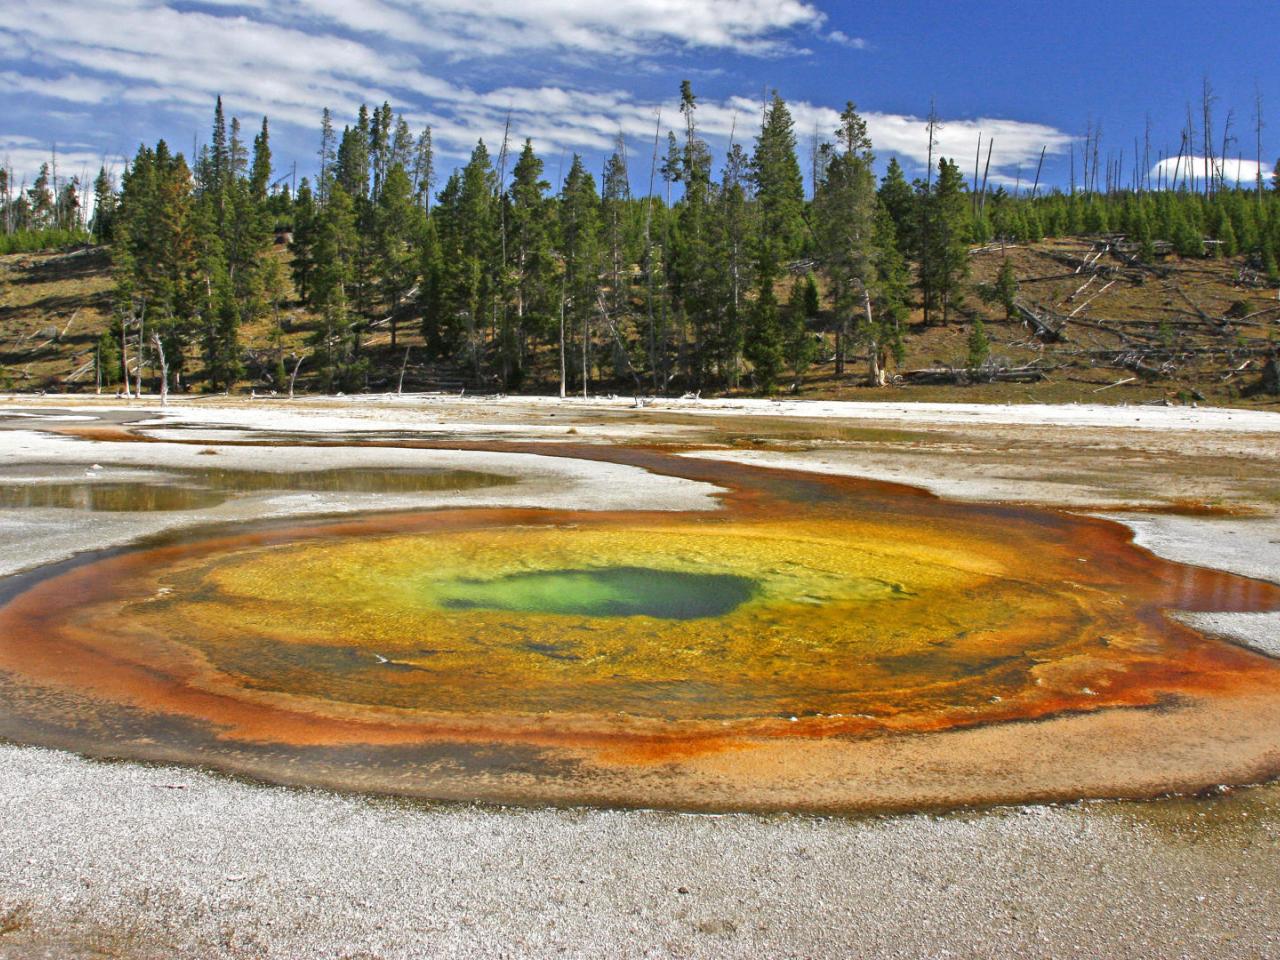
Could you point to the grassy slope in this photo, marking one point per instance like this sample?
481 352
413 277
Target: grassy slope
54 306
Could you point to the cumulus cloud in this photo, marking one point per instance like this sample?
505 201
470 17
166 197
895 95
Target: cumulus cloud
1243 172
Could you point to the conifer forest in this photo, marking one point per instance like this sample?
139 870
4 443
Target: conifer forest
669 270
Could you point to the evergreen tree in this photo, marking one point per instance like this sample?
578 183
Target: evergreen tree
333 271
844 210
779 190
305 221
532 268
328 155
779 200
466 220
798 344
735 240
765 345
979 346
890 295
398 224
899 200
671 164
1006 288
220 154
424 171
260 173
580 251
692 264
104 207
946 263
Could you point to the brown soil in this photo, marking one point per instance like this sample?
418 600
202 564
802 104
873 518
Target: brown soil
53 307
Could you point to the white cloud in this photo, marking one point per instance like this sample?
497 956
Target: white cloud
70 87
484 28
842 38
1243 172
289 59
22 157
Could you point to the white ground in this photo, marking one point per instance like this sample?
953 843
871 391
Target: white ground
31 538
133 861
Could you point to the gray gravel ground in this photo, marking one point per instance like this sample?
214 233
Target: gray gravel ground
123 860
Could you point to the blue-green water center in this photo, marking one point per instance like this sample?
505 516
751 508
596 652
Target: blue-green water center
604 592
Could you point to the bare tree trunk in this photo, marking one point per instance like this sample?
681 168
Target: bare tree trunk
164 368
564 373
1040 166
986 169
294 376
124 355
875 373
648 255
924 232
141 328
1206 98
1258 134
977 159
403 366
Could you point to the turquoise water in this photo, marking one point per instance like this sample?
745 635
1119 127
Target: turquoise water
604 592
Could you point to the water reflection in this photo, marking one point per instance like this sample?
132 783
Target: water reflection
197 489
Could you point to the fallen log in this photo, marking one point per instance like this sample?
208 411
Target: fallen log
962 375
1047 326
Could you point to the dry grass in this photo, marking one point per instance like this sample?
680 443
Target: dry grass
53 307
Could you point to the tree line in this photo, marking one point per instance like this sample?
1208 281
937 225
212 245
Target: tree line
48 214
728 276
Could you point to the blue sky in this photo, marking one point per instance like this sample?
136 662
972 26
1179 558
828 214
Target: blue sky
97 78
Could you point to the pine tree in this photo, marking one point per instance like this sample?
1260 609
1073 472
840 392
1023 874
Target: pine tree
40 201
260 172
765 345
104 207
402 147
979 346
779 190
532 287
1006 288
466 220
398 224
333 270
328 155
671 164
303 243
735 246
692 260
424 172
351 168
220 154
844 210
615 198
239 154
947 262
890 295
798 345
580 251
779 232
899 200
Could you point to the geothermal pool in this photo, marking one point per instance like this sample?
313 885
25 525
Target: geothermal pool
816 643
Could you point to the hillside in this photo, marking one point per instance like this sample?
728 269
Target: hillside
1094 325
